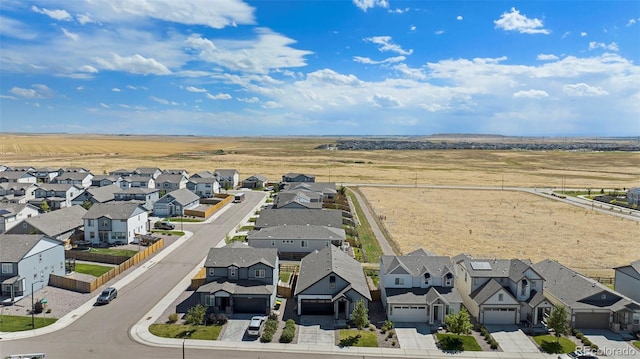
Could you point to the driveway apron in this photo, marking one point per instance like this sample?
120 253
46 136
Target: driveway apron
236 330
415 336
316 330
511 339
611 344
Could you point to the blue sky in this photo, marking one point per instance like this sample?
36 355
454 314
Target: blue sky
341 67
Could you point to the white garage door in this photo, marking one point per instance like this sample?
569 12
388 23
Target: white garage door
408 313
499 316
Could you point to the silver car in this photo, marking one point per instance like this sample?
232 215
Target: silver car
256 326
107 295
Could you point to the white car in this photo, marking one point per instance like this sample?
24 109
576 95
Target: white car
256 326
577 355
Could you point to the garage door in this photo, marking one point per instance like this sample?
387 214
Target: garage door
499 316
317 307
592 320
408 313
246 305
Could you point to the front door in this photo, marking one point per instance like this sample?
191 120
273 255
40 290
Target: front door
224 303
342 309
437 313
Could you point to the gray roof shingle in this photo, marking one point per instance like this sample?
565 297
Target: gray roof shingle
183 196
113 210
299 232
284 216
485 292
422 295
514 269
238 287
241 256
59 221
418 263
13 247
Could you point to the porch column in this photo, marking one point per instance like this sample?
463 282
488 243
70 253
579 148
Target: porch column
299 306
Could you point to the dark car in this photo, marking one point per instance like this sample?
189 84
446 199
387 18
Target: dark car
164 225
107 295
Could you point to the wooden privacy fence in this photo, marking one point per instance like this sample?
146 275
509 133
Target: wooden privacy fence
199 279
95 257
88 287
210 210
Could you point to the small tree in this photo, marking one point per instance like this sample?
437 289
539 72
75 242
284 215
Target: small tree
195 315
558 321
86 204
44 207
459 323
227 186
360 315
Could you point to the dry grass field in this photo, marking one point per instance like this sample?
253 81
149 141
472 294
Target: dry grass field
535 229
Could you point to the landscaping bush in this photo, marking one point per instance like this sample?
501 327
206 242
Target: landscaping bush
586 342
372 328
493 345
266 337
38 307
387 325
594 347
221 319
288 332
269 329
273 316
173 317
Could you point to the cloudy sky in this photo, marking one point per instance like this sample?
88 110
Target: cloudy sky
342 67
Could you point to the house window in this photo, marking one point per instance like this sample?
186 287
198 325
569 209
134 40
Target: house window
427 276
210 300
90 222
105 223
212 272
7 268
232 272
24 225
448 279
533 284
304 244
500 297
273 243
326 244
475 281
39 257
92 235
399 281
636 318
523 290
260 273
332 282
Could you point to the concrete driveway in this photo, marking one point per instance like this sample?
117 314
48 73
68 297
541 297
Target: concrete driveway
316 329
415 336
611 344
512 340
236 329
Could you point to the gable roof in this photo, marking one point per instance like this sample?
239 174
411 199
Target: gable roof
514 269
104 193
203 174
241 256
113 210
57 187
225 172
487 290
245 287
257 177
285 216
183 196
12 209
147 170
198 180
112 178
59 221
286 198
422 295
171 178
14 175
417 264
138 178
318 187
138 190
319 264
13 247
299 232
632 270
72 176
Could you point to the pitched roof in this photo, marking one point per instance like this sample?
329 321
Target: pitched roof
487 290
514 269
183 196
14 175
138 190
13 247
284 216
171 178
417 263
113 210
202 174
105 193
112 178
319 264
72 176
287 198
198 180
422 295
12 209
137 178
319 187
241 256
632 270
59 221
257 177
147 170
225 172
298 232
57 187
237 287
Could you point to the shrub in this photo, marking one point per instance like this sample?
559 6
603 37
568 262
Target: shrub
493 345
288 332
387 324
586 342
38 307
594 347
48 310
372 328
196 315
393 343
266 337
273 316
173 317
221 319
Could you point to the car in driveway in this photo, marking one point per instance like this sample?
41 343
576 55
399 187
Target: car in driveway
164 225
256 326
577 355
107 295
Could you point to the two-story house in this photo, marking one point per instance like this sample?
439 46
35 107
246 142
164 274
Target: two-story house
12 213
296 241
64 225
330 283
146 197
240 279
17 192
418 287
152 172
114 223
270 217
26 261
500 291
56 195
137 181
627 280
171 182
105 180
45 174
97 195
298 177
81 179
255 181
174 203
17 177
122 172
293 200
228 178
204 187
321 190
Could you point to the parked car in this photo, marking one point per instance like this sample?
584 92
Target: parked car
256 326
577 355
164 225
107 295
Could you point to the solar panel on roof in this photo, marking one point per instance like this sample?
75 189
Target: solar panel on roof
481 265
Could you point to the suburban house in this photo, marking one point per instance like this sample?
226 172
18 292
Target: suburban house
228 178
296 241
21 168
82 179
114 223
137 181
255 181
330 283
627 280
97 195
151 172
286 217
62 170
171 182
501 291
12 192
298 177
121 172
146 197
174 203
293 200
203 174
64 225
418 287
590 304
26 261
176 171
240 279
105 180
17 177
12 213
323 190
633 196
56 195
204 187
45 174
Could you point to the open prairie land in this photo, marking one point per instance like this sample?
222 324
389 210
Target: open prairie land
505 224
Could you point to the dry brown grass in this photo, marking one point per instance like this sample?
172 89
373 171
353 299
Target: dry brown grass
506 224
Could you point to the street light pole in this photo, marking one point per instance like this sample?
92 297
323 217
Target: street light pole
184 339
33 321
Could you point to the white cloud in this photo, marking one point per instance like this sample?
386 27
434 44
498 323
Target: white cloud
36 91
329 76
514 21
136 64
387 45
583 34
364 5
115 89
547 57
601 45
60 15
389 60
84 19
220 96
159 100
582 89
631 22
399 10
248 99
88 68
412 28
135 88
566 34
104 105
416 74
16 29
459 18
385 101
195 89
531 94
439 32
80 88
8 97
70 35
271 105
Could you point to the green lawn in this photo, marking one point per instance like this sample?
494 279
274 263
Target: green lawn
284 276
204 332
114 252
549 344
12 323
349 338
458 342
247 228
92 269
370 244
183 219
637 344
373 274
165 232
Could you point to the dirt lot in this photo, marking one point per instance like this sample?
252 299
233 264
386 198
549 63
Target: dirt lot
506 224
